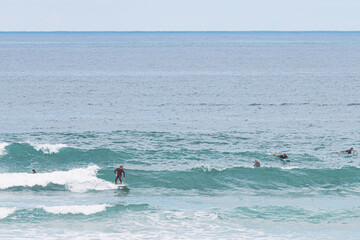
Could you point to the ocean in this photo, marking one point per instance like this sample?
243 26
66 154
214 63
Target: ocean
186 114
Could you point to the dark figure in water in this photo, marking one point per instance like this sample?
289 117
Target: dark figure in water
257 164
34 171
281 156
349 151
118 172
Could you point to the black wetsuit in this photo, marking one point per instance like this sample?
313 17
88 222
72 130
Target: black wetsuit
284 156
257 164
348 151
118 174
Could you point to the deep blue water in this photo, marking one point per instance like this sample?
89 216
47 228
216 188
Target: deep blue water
187 114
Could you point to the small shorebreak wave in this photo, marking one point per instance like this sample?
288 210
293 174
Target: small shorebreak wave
76 209
61 210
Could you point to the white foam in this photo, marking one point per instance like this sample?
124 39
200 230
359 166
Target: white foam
289 167
48 148
76 180
76 209
2 148
208 168
4 212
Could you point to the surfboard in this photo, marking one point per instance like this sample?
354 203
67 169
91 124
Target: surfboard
123 186
285 160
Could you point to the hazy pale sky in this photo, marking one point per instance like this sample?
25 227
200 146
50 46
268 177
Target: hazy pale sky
179 15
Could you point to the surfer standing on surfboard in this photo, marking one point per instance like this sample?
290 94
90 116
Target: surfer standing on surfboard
118 172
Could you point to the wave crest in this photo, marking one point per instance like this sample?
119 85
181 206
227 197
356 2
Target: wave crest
2 147
208 168
48 148
76 180
4 212
76 209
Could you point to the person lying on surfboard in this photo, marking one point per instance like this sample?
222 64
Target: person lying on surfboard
281 156
347 151
118 172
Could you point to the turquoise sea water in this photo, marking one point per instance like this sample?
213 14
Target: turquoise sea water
186 114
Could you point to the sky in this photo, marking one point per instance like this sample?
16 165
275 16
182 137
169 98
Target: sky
179 15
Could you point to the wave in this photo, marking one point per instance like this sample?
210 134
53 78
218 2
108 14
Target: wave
53 156
91 209
94 209
76 209
185 169
208 168
48 148
298 104
234 179
201 178
24 155
76 180
293 104
291 213
28 148
290 167
2 148
282 104
4 212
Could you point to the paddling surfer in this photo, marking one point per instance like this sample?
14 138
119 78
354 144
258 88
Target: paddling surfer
281 156
118 173
350 151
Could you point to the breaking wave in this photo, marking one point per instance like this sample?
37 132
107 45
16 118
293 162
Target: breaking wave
48 148
76 180
2 148
4 212
76 209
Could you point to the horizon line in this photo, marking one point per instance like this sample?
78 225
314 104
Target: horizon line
191 31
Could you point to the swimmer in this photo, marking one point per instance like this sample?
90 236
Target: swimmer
257 164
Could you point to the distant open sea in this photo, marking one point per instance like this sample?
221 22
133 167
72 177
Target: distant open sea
186 113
